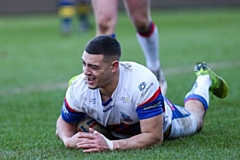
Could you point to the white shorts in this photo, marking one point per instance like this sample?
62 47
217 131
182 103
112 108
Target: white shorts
183 123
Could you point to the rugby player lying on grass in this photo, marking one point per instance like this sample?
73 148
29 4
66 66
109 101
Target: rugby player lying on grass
125 98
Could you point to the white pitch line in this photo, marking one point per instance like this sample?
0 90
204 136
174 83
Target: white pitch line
214 66
43 87
167 72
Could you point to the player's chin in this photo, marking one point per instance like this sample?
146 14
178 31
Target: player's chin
92 86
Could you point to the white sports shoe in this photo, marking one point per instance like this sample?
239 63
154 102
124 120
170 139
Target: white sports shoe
162 81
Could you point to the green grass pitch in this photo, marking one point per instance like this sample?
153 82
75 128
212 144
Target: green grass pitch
36 63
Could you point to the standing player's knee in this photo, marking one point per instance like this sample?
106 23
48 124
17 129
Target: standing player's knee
141 24
104 23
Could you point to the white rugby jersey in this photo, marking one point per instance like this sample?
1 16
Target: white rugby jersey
137 96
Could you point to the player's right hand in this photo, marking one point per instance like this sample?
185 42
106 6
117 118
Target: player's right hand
76 138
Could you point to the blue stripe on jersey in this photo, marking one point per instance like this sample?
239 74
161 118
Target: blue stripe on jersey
107 102
151 109
70 115
197 97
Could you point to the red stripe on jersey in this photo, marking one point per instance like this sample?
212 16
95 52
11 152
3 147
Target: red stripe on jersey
152 98
68 107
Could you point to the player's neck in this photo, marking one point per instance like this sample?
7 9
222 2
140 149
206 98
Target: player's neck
107 91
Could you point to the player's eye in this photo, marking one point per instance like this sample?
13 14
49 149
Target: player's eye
94 67
83 63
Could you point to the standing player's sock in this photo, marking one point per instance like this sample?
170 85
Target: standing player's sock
66 12
83 11
200 90
149 44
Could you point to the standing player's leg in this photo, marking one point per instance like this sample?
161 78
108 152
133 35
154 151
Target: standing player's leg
83 12
66 12
106 14
147 34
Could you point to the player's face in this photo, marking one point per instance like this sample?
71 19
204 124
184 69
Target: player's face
98 72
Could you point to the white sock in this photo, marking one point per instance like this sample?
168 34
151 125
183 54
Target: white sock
150 49
201 87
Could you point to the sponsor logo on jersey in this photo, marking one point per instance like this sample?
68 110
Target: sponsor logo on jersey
107 109
146 90
142 86
153 106
71 93
124 99
126 117
92 100
127 66
65 111
98 118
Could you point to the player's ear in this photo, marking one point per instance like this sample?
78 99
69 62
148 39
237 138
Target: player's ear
114 66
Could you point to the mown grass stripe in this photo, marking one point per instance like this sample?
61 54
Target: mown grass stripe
168 72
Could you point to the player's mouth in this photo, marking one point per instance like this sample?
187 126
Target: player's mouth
90 81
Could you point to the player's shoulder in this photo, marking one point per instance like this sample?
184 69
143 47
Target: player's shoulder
78 84
138 81
131 64
135 76
136 72
77 90
76 79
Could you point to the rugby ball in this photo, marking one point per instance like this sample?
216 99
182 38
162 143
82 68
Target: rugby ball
88 122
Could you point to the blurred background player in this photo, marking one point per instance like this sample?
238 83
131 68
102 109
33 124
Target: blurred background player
139 11
67 9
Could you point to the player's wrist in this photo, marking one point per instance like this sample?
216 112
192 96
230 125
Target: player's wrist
109 142
115 145
66 142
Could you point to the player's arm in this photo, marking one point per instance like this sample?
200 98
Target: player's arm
150 113
66 126
152 133
65 132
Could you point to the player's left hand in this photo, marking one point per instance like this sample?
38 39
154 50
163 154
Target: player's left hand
94 142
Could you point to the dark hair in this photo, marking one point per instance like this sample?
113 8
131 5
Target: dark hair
106 45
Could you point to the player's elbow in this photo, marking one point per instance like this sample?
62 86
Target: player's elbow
67 145
56 133
158 139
